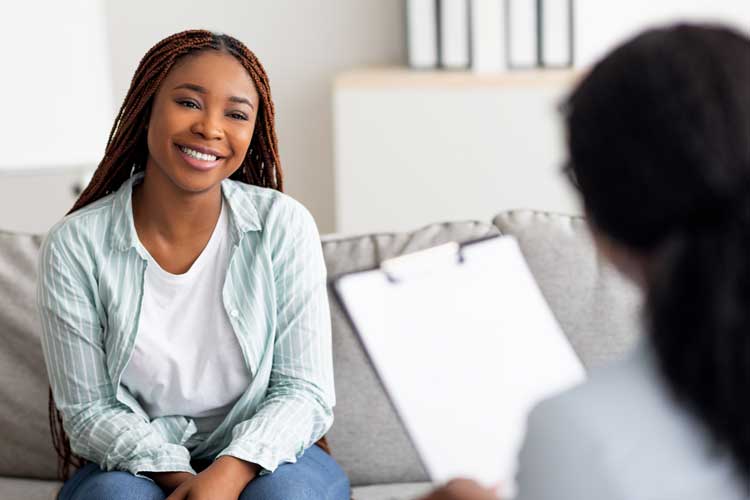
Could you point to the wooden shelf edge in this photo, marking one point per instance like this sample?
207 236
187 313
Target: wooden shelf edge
389 77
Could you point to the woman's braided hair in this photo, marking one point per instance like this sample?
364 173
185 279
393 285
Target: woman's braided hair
127 151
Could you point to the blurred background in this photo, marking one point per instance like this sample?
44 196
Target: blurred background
391 114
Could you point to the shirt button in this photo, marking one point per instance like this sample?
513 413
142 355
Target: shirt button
234 313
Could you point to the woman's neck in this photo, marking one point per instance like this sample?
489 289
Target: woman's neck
163 211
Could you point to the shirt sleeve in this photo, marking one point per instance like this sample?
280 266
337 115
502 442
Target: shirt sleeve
100 428
298 407
560 459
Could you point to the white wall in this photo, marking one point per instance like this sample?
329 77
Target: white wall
69 115
602 24
302 45
414 149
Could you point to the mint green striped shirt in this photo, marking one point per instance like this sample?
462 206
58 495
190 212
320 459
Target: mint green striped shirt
89 293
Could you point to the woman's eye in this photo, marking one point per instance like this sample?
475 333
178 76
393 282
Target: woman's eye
238 116
188 104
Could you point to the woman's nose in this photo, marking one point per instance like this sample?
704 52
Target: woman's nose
208 127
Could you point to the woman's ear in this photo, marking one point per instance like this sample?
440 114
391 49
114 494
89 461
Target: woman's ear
631 264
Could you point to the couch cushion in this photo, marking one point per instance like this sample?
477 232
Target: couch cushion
28 489
401 491
596 307
383 455
26 449
367 438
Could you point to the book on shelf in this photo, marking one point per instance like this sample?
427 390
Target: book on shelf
489 36
556 33
487 27
421 33
454 34
522 33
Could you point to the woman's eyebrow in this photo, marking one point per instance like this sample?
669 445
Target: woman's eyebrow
242 100
202 90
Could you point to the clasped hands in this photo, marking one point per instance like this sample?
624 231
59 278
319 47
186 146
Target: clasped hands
224 479
227 477
463 489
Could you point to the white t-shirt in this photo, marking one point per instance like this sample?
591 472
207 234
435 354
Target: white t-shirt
187 360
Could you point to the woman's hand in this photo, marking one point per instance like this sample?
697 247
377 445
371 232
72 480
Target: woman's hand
225 479
169 481
463 489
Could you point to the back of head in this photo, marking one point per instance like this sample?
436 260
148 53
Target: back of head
659 144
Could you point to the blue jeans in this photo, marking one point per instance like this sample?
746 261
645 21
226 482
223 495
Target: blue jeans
315 476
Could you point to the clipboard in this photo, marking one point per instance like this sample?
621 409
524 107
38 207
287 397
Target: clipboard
464 345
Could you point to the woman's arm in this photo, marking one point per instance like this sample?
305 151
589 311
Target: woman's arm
561 459
224 479
100 428
169 481
462 489
558 461
297 408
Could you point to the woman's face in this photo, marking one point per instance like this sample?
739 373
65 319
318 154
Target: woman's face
202 121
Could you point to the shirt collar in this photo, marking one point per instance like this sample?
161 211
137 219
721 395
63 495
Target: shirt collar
244 216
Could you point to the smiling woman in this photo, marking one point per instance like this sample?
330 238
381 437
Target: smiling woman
202 121
183 299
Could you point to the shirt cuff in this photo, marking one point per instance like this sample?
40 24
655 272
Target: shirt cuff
167 458
265 457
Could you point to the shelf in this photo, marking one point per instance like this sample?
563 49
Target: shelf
416 147
400 77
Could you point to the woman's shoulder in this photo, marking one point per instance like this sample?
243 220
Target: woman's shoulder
271 207
625 423
86 226
613 396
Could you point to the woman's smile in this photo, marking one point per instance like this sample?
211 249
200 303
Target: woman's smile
200 158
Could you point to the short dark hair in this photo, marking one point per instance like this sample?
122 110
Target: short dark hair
659 146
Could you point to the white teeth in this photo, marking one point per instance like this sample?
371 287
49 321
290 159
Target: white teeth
198 155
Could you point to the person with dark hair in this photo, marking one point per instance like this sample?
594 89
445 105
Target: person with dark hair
183 303
659 149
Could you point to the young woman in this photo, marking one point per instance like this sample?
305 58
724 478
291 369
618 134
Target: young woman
659 145
183 300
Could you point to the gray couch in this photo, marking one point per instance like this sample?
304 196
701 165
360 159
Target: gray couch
596 308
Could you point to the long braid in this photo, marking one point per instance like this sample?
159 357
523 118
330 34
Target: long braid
127 150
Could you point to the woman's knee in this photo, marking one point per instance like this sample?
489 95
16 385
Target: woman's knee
316 476
287 489
266 488
118 485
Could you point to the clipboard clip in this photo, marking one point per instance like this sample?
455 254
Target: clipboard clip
416 263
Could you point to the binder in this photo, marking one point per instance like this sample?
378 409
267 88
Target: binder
421 33
454 34
556 33
464 345
487 36
522 29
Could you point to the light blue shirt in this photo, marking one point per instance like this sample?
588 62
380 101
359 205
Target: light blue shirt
89 295
622 436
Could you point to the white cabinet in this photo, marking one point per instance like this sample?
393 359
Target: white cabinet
34 202
414 147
